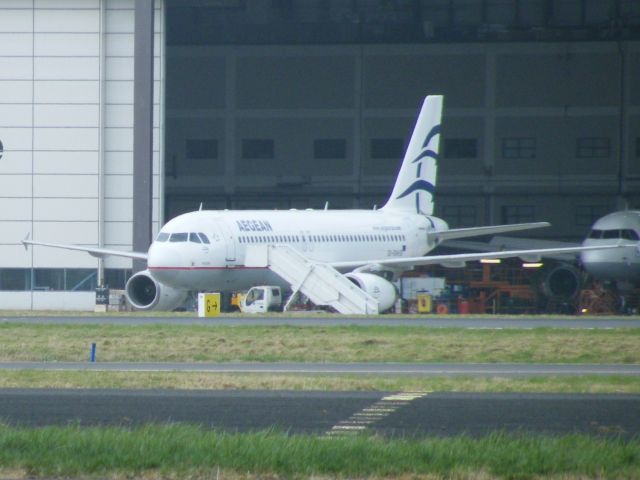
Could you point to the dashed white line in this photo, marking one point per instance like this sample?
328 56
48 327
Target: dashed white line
360 421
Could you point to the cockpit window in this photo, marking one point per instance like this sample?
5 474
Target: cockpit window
193 237
162 237
609 234
629 234
179 237
595 234
203 237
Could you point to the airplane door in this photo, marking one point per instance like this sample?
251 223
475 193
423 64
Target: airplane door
229 241
307 244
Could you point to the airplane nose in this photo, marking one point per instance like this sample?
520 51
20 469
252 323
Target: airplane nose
165 262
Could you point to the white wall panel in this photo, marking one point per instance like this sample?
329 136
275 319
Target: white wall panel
15 138
119 116
67 4
15 256
15 300
65 162
67 92
67 20
15 162
78 301
120 44
15 209
16 21
65 186
67 115
67 44
84 233
12 4
119 233
16 91
18 186
15 115
121 4
118 163
43 258
65 210
16 68
119 92
66 68
118 262
119 68
118 139
120 21
118 210
70 139
118 186
16 43
14 232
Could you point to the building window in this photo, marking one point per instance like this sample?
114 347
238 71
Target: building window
593 147
198 149
15 279
386 148
586 215
459 215
460 148
518 213
329 148
258 149
519 147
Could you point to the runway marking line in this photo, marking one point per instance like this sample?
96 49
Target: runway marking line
365 418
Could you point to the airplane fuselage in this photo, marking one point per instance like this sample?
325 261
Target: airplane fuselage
181 258
623 264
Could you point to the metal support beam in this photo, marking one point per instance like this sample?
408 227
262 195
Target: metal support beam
142 129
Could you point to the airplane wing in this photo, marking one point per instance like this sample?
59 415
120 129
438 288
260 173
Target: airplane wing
458 260
479 231
96 252
500 243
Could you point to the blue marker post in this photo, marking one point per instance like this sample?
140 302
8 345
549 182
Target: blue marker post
93 352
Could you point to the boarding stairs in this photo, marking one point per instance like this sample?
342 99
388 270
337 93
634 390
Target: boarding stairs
320 282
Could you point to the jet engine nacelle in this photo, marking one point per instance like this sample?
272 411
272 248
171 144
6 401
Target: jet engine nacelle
562 282
144 293
379 288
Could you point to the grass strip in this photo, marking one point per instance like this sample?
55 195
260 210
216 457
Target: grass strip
188 343
234 381
189 451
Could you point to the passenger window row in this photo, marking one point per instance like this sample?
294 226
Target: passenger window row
323 238
182 237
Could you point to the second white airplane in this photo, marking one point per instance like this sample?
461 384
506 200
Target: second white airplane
217 250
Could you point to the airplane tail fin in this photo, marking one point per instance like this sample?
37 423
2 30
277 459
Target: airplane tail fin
415 185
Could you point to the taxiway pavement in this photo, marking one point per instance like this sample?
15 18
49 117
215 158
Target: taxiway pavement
472 322
421 414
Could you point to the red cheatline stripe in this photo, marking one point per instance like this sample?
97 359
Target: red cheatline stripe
230 267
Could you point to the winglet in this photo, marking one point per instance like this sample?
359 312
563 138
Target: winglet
25 242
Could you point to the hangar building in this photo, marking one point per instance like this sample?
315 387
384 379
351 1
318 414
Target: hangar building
292 103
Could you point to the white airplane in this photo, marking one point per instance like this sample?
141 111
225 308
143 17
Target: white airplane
621 265
213 250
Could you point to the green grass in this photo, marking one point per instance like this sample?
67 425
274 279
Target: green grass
182 343
234 381
180 451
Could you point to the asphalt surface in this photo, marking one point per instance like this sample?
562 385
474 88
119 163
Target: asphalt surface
439 414
281 368
473 322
